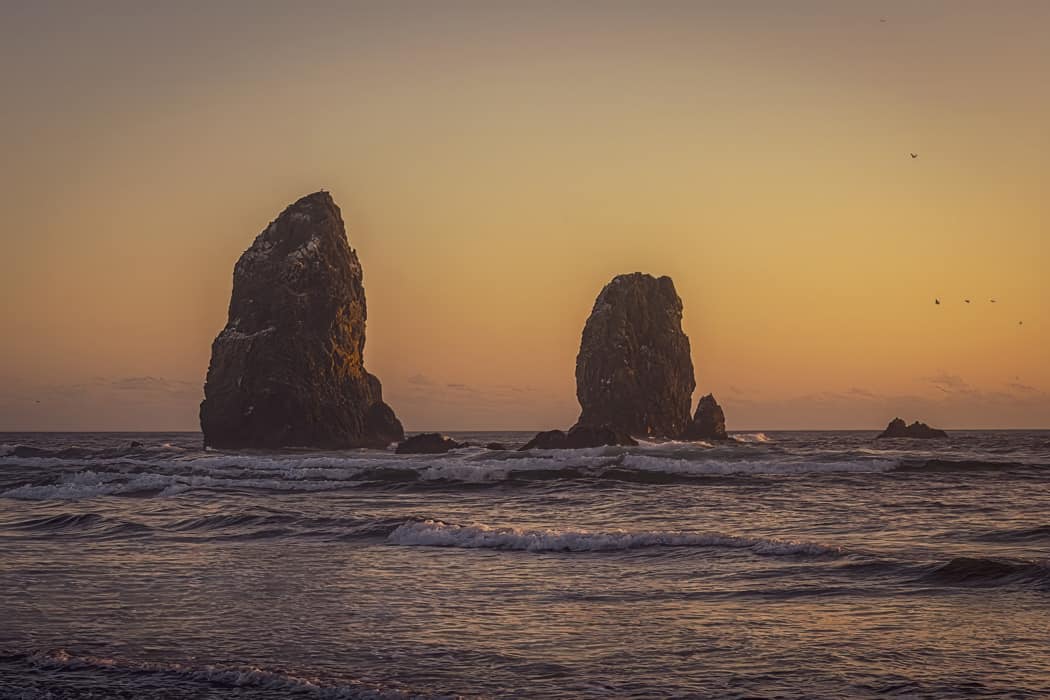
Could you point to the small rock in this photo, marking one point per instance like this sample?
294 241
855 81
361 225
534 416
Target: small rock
427 444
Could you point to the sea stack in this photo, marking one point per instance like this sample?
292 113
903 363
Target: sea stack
288 370
899 429
634 373
709 421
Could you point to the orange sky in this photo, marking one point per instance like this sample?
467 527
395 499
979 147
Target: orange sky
498 162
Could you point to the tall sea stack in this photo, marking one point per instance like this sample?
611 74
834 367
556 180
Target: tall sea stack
287 370
634 372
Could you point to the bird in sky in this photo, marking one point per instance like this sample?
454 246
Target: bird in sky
914 155
991 301
967 301
937 302
1020 323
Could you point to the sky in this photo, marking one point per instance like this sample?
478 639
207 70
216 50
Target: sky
498 162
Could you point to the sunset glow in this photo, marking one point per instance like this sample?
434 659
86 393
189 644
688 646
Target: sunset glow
497 164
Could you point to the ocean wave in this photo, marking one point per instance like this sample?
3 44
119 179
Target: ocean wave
131 449
970 571
751 437
219 676
659 463
93 525
173 477
91 484
959 465
434 533
1024 534
764 466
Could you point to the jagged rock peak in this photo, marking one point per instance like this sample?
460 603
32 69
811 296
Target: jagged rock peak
288 369
634 372
899 429
709 421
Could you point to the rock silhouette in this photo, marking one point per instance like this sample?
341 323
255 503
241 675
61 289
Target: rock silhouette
634 373
899 429
577 438
709 421
287 370
428 443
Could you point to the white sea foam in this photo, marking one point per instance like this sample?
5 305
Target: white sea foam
751 437
434 533
92 484
688 467
178 473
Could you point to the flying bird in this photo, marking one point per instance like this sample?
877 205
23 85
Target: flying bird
937 302
992 301
914 155
1020 323
967 301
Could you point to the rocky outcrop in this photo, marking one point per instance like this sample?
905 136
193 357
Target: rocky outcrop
899 429
496 446
428 444
578 438
709 421
287 370
634 373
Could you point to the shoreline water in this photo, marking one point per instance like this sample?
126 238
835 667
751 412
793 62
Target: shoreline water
797 564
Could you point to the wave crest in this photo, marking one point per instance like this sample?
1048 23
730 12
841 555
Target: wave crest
221 676
435 533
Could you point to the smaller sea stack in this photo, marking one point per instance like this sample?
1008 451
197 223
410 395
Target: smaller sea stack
709 421
899 429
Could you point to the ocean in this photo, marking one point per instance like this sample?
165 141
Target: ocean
788 565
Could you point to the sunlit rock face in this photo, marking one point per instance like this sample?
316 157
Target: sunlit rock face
287 370
634 372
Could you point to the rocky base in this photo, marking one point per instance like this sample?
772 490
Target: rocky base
578 438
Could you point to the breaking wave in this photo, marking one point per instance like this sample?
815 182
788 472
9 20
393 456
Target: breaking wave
434 533
751 437
163 470
967 571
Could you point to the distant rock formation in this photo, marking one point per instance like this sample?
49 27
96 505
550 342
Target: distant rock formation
709 421
428 443
899 429
634 373
287 370
579 437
